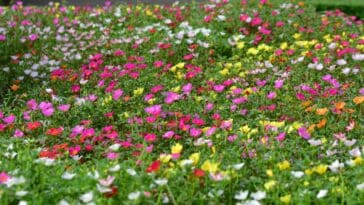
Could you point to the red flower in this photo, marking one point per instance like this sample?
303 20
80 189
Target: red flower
154 167
112 193
33 125
54 131
198 173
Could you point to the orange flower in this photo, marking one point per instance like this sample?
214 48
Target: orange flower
14 87
306 103
358 100
321 111
339 105
54 131
321 124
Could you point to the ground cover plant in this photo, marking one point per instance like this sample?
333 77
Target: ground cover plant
223 102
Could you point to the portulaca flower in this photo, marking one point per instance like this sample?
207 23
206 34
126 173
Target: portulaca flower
87 197
297 174
134 195
322 193
241 195
259 195
68 176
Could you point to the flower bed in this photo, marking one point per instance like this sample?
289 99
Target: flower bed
226 102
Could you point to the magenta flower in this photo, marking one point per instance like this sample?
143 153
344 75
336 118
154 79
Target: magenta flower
271 95
4 177
150 137
210 131
9 119
278 83
117 94
168 134
112 155
2 37
64 108
302 131
281 136
48 112
32 104
219 88
154 110
195 132
33 37
171 97
18 133
187 88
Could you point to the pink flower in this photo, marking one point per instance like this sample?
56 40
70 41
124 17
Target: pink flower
219 88
278 83
2 37
33 37
150 137
48 112
210 131
271 95
168 134
187 88
4 177
9 119
112 155
195 132
171 97
117 94
154 110
256 21
281 136
32 104
18 133
64 108
232 138
239 100
302 131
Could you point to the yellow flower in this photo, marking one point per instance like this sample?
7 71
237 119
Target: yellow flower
296 36
284 45
176 89
285 199
284 165
238 65
270 184
245 129
209 166
177 148
195 157
358 160
308 171
306 183
269 172
224 72
240 45
138 91
165 158
252 51
320 169
180 65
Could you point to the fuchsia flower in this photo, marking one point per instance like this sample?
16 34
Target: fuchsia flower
9 119
117 94
219 88
64 108
18 133
195 132
281 136
4 177
187 88
168 134
154 110
302 131
278 83
33 37
171 97
271 95
2 37
150 137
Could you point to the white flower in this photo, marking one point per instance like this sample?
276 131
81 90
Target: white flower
297 174
87 197
259 195
114 168
131 172
22 203
134 195
322 193
114 147
238 166
96 175
15 181
314 142
108 181
186 162
63 202
346 71
358 57
355 152
251 202
241 195
350 143
68 176
161 182
21 193
336 166
103 189
360 186
341 62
